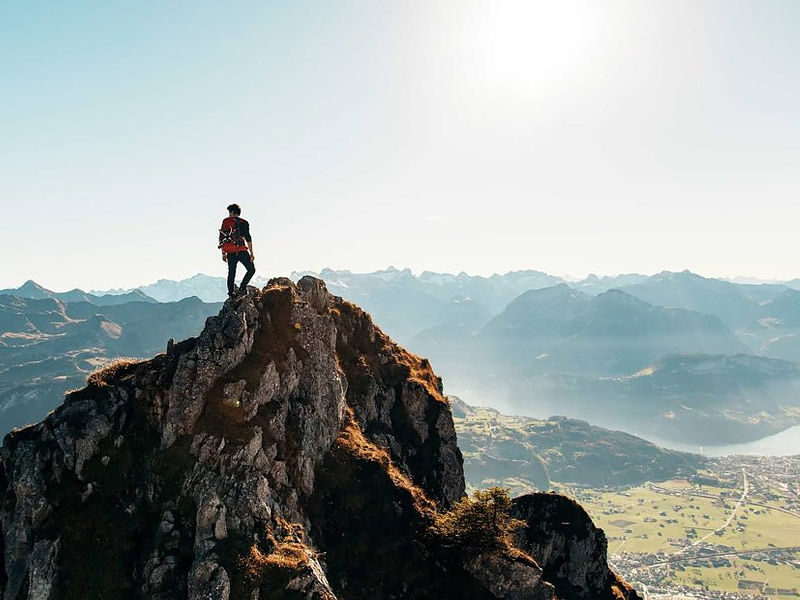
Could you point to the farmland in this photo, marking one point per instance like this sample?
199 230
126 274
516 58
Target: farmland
730 531
733 530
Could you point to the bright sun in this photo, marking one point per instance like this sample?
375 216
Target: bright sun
525 44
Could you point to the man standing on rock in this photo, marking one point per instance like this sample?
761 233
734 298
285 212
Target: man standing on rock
233 234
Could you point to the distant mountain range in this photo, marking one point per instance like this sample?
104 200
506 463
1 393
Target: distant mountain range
620 362
49 344
598 348
205 287
700 399
402 302
31 289
406 304
613 333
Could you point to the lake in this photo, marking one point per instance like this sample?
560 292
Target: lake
785 443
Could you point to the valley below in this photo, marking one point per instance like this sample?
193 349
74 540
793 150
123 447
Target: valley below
683 449
678 524
731 531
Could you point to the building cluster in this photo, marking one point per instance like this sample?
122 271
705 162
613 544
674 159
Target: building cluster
773 483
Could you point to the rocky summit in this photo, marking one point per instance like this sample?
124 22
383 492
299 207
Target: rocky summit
292 450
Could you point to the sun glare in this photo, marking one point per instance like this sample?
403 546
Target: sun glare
521 44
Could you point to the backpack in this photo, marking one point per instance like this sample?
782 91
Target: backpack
230 238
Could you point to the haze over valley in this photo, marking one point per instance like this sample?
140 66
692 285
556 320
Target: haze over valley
583 374
675 357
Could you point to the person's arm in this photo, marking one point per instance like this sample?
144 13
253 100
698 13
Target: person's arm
248 238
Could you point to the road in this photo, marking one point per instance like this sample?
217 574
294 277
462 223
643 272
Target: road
742 498
700 494
672 561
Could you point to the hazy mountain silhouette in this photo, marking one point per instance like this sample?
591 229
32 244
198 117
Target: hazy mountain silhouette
609 334
206 287
736 304
407 304
623 363
404 304
504 334
699 398
593 284
48 346
31 289
775 330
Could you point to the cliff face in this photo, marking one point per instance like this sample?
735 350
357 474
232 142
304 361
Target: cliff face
571 551
290 451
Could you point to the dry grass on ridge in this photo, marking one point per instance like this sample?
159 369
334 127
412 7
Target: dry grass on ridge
103 375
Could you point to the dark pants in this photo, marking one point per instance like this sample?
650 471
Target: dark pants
244 258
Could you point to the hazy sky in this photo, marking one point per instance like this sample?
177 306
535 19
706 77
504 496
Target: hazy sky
571 137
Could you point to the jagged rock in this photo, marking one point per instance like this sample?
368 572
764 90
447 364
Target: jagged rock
510 578
42 569
315 292
208 581
290 417
572 552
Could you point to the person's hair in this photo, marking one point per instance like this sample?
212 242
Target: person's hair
235 209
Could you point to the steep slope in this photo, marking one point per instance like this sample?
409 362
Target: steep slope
539 313
31 316
29 289
571 549
785 308
290 451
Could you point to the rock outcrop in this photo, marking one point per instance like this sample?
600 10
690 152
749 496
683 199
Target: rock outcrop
290 451
571 551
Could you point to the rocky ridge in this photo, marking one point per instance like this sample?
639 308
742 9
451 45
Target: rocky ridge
290 451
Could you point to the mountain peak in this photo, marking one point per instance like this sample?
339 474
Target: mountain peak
31 289
553 291
621 297
291 428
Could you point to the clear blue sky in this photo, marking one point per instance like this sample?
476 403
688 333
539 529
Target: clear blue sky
571 137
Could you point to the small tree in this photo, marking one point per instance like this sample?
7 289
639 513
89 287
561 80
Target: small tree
481 520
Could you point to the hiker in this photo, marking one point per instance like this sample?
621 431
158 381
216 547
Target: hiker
233 234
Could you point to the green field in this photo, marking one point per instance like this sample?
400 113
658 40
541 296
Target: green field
673 523
650 531
669 517
781 576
